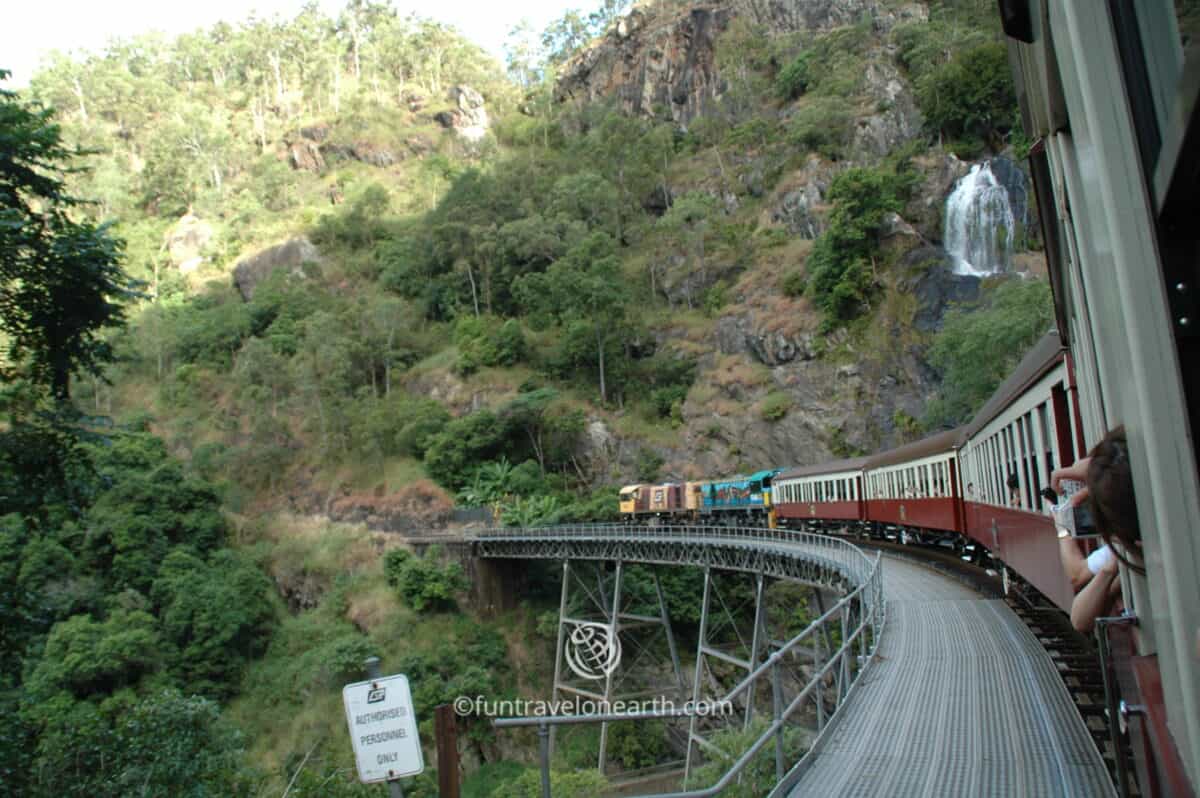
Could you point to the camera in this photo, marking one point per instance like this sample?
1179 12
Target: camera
1077 520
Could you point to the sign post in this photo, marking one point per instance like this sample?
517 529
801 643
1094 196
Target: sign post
383 728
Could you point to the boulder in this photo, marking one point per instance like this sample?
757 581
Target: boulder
186 241
469 118
291 255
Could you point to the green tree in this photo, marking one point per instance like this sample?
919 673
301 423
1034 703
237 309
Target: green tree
216 614
687 222
587 284
978 347
61 285
842 266
971 95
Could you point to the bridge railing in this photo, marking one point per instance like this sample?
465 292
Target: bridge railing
859 616
853 561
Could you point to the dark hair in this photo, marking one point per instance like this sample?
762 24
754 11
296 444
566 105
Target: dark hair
1013 482
1110 489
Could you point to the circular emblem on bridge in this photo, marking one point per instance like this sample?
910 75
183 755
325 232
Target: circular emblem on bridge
592 650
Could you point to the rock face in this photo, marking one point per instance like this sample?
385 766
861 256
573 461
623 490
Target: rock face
666 65
364 151
291 255
305 154
941 171
897 119
798 201
936 286
186 241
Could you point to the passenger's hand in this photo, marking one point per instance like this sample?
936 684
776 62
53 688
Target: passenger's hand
1076 471
1111 567
1080 497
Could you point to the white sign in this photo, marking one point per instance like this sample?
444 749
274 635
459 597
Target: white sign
383 728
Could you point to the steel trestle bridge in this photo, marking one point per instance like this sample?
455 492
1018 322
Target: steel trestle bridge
954 696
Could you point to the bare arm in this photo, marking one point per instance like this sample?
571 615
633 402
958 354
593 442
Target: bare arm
1095 599
1074 563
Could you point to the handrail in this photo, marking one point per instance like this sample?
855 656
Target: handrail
868 592
851 557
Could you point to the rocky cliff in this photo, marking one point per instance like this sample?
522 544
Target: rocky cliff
660 61
771 389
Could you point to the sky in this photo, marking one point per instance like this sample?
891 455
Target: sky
32 28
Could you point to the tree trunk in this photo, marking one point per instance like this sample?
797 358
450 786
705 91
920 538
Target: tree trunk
474 293
83 116
600 352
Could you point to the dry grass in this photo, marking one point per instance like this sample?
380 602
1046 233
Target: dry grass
305 554
422 502
372 607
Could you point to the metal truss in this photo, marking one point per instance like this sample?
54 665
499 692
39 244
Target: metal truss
830 563
816 668
585 601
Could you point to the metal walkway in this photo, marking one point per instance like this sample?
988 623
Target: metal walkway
962 701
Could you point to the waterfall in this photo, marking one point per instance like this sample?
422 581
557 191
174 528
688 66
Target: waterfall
979 223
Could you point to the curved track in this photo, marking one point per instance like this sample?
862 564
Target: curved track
962 701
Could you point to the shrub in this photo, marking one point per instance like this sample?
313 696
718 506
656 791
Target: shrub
648 464
978 347
841 265
485 341
823 125
421 421
425 584
794 283
775 406
971 96
578 784
393 561
793 79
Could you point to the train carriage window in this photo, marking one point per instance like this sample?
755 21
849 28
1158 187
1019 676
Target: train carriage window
1031 463
1022 464
1049 445
998 475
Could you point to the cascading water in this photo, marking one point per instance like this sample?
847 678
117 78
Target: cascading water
979 223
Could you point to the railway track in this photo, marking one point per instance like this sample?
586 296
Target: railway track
1074 655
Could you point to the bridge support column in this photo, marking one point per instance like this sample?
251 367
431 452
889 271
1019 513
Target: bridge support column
698 675
614 620
755 645
666 622
559 647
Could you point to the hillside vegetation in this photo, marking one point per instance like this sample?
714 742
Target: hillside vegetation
276 291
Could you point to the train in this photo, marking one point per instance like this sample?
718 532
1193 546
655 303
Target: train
1109 98
975 490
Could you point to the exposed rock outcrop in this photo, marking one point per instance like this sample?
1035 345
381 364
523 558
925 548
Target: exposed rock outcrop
663 62
798 200
292 255
305 154
469 118
935 285
897 119
364 151
185 242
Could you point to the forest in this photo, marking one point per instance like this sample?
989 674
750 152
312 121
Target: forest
505 297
